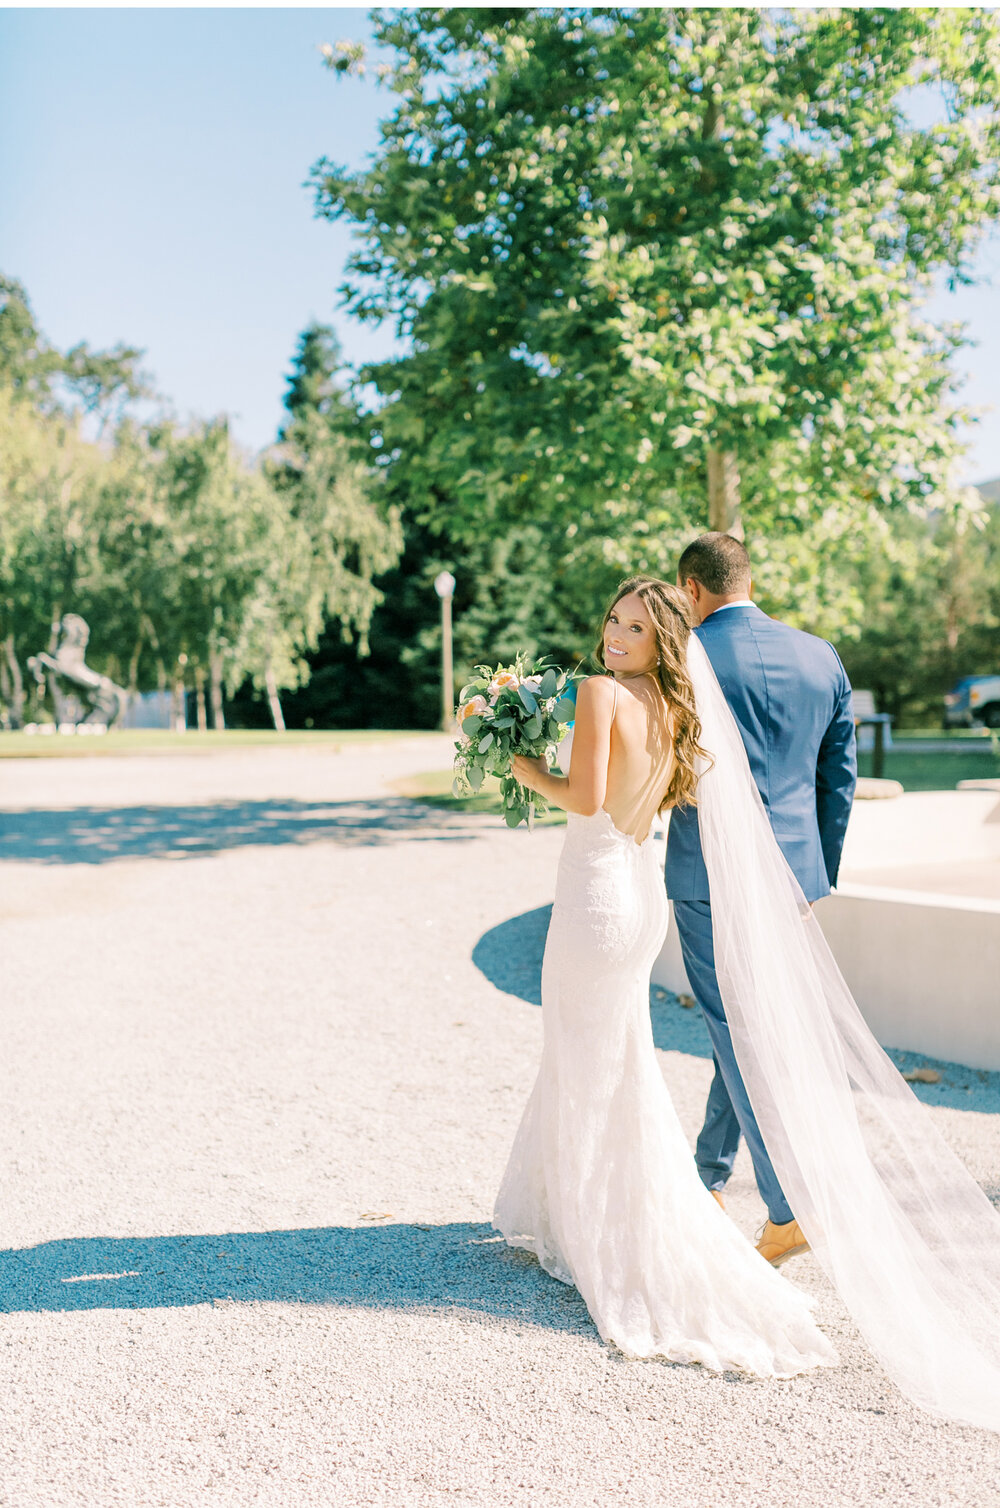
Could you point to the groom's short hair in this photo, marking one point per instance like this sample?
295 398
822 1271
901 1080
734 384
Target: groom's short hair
719 562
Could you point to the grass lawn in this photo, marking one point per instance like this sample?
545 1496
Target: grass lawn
971 758
434 789
918 771
970 736
158 741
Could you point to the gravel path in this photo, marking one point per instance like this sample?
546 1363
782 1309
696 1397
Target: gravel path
268 1031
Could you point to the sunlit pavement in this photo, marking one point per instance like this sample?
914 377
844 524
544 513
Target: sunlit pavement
269 1027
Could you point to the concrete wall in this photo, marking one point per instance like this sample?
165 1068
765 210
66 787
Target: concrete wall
923 967
922 827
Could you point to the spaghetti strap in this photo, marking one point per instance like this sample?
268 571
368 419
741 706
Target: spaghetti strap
614 704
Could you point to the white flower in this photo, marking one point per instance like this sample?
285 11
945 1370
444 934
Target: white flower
504 680
532 683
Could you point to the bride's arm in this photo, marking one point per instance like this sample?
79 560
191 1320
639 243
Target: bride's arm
584 789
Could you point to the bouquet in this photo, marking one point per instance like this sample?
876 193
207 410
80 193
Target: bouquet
514 709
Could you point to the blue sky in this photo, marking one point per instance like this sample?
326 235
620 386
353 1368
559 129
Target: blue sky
151 172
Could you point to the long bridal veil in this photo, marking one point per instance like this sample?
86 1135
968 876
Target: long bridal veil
903 1231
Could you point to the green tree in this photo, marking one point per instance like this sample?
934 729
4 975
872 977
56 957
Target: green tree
27 361
194 567
337 535
55 492
49 485
650 262
84 381
931 594
316 384
220 533
104 383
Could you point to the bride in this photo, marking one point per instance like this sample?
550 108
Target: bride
601 1184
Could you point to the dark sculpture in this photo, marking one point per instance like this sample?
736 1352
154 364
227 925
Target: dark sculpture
80 696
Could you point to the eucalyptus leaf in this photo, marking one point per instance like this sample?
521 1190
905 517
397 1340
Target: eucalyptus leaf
564 710
527 699
485 742
471 726
475 776
550 681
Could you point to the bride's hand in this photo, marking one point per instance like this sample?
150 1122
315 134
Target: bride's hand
526 771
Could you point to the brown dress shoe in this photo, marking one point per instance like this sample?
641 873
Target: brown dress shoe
717 1197
779 1242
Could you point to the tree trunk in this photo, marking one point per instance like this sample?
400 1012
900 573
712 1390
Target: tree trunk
724 492
218 713
951 629
273 700
199 699
178 711
723 472
133 666
16 682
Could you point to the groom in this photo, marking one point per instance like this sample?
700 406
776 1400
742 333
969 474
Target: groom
791 699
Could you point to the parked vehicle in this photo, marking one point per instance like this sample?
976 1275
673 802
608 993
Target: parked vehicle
975 701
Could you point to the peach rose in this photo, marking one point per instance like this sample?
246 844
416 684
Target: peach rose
504 680
475 707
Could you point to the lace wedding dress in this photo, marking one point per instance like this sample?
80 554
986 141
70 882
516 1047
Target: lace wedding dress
601 1184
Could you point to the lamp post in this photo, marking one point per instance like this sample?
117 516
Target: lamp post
444 585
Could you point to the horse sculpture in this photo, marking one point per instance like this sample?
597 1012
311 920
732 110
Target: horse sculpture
80 696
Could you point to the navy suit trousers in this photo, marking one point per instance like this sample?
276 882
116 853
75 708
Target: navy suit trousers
729 1111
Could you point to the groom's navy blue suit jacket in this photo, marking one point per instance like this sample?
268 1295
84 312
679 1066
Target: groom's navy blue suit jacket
791 698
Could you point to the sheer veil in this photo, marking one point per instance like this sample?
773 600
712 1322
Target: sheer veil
902 1230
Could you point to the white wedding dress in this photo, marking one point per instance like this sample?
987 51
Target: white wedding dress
602 1187
601 1184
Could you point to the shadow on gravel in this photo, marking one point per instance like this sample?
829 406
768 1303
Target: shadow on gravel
100 835
510 956
411 1267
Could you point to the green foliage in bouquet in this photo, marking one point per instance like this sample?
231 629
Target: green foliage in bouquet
510 709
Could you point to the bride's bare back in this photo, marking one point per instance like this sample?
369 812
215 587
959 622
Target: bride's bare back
641 756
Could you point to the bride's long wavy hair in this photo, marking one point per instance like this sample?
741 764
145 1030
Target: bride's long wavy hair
670 615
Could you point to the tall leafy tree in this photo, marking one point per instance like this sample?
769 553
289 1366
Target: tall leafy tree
659 267
81 380
49 481
55 487
338 535
932 610
194 566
